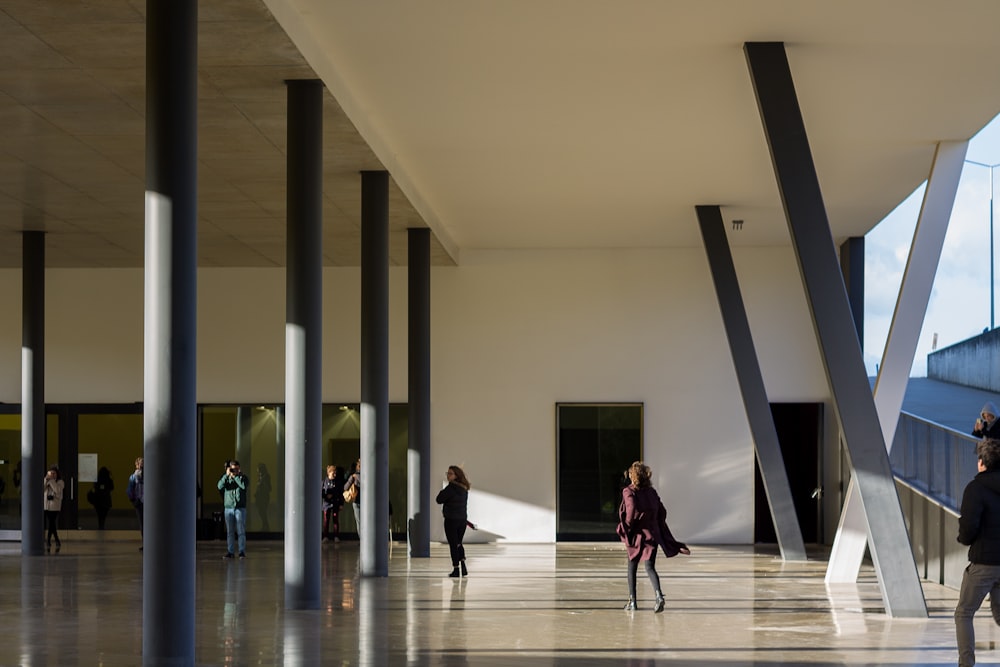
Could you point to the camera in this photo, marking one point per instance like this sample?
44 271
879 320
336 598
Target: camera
50 497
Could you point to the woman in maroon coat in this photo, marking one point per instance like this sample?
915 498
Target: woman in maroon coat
643 527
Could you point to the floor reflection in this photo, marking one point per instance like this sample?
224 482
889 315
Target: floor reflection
522 605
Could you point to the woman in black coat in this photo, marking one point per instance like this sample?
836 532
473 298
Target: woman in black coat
455 501
100 495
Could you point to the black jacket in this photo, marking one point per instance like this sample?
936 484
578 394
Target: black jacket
992 431
455 499
979 525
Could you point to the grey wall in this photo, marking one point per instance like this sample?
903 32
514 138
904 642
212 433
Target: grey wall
974 362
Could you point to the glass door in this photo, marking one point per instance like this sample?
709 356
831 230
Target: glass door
10 464
596 444
107 441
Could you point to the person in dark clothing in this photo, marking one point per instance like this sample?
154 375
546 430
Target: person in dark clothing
100 495
454 499
136 492
979 528
987 426
262 496
354 482
642 526
333 500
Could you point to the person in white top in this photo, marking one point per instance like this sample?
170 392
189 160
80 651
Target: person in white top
53 503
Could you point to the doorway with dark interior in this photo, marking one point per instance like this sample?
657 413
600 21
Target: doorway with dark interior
596 443
799 428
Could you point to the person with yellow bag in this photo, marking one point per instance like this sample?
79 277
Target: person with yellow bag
352 493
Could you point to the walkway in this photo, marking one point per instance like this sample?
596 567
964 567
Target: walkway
952 405
521 605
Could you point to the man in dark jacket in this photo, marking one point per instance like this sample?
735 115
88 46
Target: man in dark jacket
979 527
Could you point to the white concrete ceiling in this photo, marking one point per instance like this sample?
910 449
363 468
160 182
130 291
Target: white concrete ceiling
589 123
72 138
541 124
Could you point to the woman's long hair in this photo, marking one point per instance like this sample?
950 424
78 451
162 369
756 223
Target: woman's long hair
460 477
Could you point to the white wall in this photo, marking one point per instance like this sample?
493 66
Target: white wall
513 333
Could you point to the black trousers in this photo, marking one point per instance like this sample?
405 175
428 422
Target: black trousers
331 518
454 531
51 523
633 569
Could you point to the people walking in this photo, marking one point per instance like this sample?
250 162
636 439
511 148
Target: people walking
642 526
454 499
53 488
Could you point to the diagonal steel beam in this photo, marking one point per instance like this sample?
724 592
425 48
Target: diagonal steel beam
901 344
824 286
765 437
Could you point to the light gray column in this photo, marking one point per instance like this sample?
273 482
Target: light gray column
244 429
758 410
901 344
169 411
418 455
33 463
374 374
303 345
838 341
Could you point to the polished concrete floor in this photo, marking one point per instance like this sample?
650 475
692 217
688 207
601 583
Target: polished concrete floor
521 605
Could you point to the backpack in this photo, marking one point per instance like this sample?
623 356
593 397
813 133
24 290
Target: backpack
134 495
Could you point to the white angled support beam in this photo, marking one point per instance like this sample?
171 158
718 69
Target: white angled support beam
901 344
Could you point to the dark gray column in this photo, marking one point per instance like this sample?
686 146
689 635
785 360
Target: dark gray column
303 345
33 463
838 340
374 374
169 411
169 426
852 265
418 456
765 437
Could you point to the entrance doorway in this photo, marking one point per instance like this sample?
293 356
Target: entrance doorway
596 443
11 480
799 427
92 439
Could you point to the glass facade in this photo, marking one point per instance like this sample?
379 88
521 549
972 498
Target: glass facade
85 439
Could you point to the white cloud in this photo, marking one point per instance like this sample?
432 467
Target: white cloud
959 305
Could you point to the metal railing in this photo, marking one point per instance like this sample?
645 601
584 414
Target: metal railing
933 459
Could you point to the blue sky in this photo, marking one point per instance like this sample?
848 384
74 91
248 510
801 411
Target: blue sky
959 306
